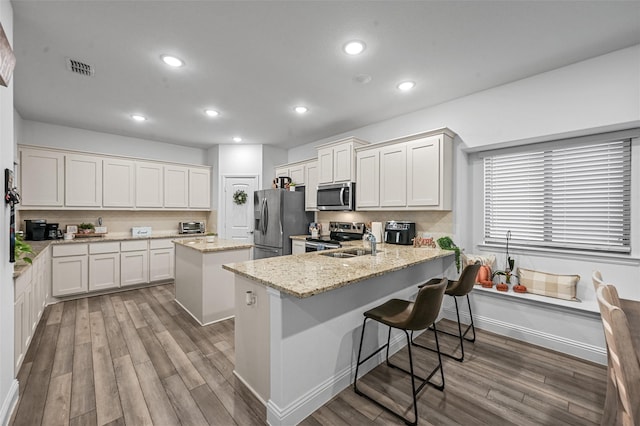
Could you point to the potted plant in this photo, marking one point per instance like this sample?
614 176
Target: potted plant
86 228
211 237
292 186
21 250
446 243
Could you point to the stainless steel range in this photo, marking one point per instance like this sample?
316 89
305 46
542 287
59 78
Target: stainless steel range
339 231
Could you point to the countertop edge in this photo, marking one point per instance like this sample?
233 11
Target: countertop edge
20 267
230 268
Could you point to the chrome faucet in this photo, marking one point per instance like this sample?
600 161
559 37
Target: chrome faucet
372 240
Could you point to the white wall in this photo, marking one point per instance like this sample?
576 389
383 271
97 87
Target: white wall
271 157
599 94
8 384
62 137
240 159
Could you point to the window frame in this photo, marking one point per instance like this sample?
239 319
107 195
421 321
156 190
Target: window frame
476 161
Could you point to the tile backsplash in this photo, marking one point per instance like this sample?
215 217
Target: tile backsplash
119 222
435 223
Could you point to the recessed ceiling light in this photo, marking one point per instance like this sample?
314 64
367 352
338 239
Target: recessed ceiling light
172 61
301 109
237 139
138 117
211 112
406 85
354 47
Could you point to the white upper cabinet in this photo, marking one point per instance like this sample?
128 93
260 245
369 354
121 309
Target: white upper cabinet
325 165
149 185
58 179
337 161
311 186
424 185
176 186
199 188
393 176
83 181
409 173
41 178
368 178
118 183
295 171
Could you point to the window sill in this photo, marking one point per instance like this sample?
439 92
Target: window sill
588 307
614 258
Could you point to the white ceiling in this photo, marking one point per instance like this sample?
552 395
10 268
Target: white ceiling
255 60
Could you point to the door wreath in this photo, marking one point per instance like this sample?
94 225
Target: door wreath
240 197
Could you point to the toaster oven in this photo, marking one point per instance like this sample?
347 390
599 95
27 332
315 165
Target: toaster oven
197 227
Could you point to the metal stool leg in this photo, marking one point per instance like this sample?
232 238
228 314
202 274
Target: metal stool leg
415 391
461 335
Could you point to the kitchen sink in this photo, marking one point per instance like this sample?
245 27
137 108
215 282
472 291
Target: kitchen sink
347 254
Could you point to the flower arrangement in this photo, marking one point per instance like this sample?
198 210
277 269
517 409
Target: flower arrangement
240 197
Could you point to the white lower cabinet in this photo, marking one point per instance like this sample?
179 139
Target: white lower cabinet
30 298
69 269
161 260
22 317
134 262
104 266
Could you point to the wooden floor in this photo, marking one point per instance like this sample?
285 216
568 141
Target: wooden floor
136 358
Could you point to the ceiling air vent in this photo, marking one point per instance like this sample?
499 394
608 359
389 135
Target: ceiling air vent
79 67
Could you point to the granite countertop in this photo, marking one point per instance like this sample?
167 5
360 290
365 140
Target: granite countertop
37 247
304 275
200 244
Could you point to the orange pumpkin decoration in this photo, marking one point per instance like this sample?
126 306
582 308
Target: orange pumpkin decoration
519 289
502 287
484 276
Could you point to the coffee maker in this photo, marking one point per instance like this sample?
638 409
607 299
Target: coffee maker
35 229
52 232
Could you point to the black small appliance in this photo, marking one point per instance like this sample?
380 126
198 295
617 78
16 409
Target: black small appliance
35 229
399 232
51 231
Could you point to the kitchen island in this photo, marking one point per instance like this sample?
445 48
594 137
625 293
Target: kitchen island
203 288
298 320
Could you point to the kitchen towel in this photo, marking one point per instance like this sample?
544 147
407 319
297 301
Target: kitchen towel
376 230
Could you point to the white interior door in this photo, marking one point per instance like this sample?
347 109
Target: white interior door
238 219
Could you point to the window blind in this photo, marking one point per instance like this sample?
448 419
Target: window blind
571 197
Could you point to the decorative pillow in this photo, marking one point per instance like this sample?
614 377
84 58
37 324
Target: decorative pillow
470 259
545 284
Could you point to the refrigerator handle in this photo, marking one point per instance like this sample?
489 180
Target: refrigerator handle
262 215
266 216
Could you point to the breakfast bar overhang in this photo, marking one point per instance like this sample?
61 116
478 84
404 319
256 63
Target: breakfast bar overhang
299 318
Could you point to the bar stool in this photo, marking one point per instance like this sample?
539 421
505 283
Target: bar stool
405 315
456 289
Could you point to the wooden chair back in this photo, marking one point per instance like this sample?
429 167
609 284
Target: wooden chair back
624 359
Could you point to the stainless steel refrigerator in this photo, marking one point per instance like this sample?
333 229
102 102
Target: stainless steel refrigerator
278 214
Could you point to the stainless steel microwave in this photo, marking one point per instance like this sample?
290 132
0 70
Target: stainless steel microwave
338 196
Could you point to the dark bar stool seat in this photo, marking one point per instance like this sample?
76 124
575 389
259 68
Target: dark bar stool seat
406 316
456 289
